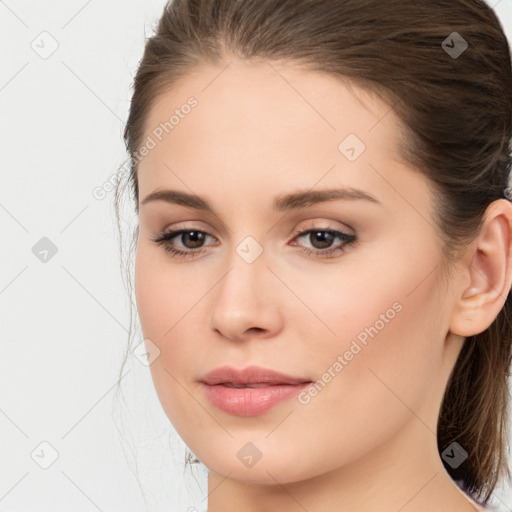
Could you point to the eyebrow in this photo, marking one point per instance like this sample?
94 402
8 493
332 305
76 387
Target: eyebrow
293 201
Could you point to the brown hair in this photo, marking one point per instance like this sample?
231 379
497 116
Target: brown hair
457 113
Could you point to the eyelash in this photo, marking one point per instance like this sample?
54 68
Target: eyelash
348 239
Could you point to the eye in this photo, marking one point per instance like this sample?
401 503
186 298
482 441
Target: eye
322 239
193 241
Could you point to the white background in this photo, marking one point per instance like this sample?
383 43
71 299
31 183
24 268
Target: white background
64 323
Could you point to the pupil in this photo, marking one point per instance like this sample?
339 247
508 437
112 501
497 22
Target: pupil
195 237
325 239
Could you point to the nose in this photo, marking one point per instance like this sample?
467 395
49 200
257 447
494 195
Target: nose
245 304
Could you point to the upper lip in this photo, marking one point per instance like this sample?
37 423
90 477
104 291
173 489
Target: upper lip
249 375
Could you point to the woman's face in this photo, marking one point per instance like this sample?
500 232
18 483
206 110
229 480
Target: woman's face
316 256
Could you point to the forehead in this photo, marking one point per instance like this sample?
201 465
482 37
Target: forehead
263 122
266 98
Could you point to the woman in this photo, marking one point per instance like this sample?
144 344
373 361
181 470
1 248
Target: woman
324 253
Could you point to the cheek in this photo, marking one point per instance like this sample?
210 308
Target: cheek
170 307
387 346
163 293
373 333
384 294
162 302
382 364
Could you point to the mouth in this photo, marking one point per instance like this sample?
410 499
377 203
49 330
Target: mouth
250 391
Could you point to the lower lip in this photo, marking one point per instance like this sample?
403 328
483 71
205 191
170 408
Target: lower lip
251 401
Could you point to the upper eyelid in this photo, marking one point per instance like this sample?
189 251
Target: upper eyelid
310 224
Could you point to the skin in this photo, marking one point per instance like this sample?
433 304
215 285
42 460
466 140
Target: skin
367 441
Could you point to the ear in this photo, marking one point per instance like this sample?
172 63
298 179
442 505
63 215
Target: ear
486 273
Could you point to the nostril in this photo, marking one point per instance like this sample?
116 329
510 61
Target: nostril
257 329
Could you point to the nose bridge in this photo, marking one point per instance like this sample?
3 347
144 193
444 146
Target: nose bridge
243 300
246 266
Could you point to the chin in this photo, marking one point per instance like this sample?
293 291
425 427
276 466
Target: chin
272 468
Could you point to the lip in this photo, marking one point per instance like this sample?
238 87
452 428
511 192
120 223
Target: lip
249 375
250 391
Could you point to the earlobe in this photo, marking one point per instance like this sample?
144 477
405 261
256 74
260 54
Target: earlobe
488 271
